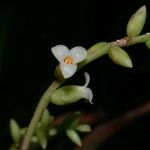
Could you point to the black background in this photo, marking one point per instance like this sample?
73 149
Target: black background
28 30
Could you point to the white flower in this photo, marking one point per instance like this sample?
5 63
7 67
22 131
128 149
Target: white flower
69 58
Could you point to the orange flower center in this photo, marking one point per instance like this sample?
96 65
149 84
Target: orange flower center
68 60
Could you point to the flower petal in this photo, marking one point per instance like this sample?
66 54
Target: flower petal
87 79
87 93
78 53
68 70
60 52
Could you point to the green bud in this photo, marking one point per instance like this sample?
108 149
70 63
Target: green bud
136 22
74 137
15 130
148 43
42 138
66 95
83 128
45 119
120 57
70 94
52 132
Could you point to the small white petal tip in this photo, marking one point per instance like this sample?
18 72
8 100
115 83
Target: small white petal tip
87 92
87 79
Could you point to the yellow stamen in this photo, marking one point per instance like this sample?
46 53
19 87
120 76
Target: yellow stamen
68 60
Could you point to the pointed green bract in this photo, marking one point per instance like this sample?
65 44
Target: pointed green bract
74 137
120 57
15 130
42 138
83 128
136 22
45 119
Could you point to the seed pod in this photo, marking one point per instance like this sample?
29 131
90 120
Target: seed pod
74 137
120 57
136 22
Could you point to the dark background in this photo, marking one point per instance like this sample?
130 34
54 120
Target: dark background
28 30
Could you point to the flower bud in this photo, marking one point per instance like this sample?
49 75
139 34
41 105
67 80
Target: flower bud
45 119
42 138
15 130
120 57
136 22
83 128
70 94
74 137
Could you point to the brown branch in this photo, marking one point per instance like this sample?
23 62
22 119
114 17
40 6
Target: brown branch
102 132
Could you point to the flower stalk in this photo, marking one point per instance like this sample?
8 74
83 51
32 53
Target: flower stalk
37 114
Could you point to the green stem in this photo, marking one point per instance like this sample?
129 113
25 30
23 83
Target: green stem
139 39
37 114
128 41
94 52
101 48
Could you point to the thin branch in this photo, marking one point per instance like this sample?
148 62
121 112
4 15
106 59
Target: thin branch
104 131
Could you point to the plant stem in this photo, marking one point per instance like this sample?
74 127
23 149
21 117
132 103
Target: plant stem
128 41
92 55
37 114
102 50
